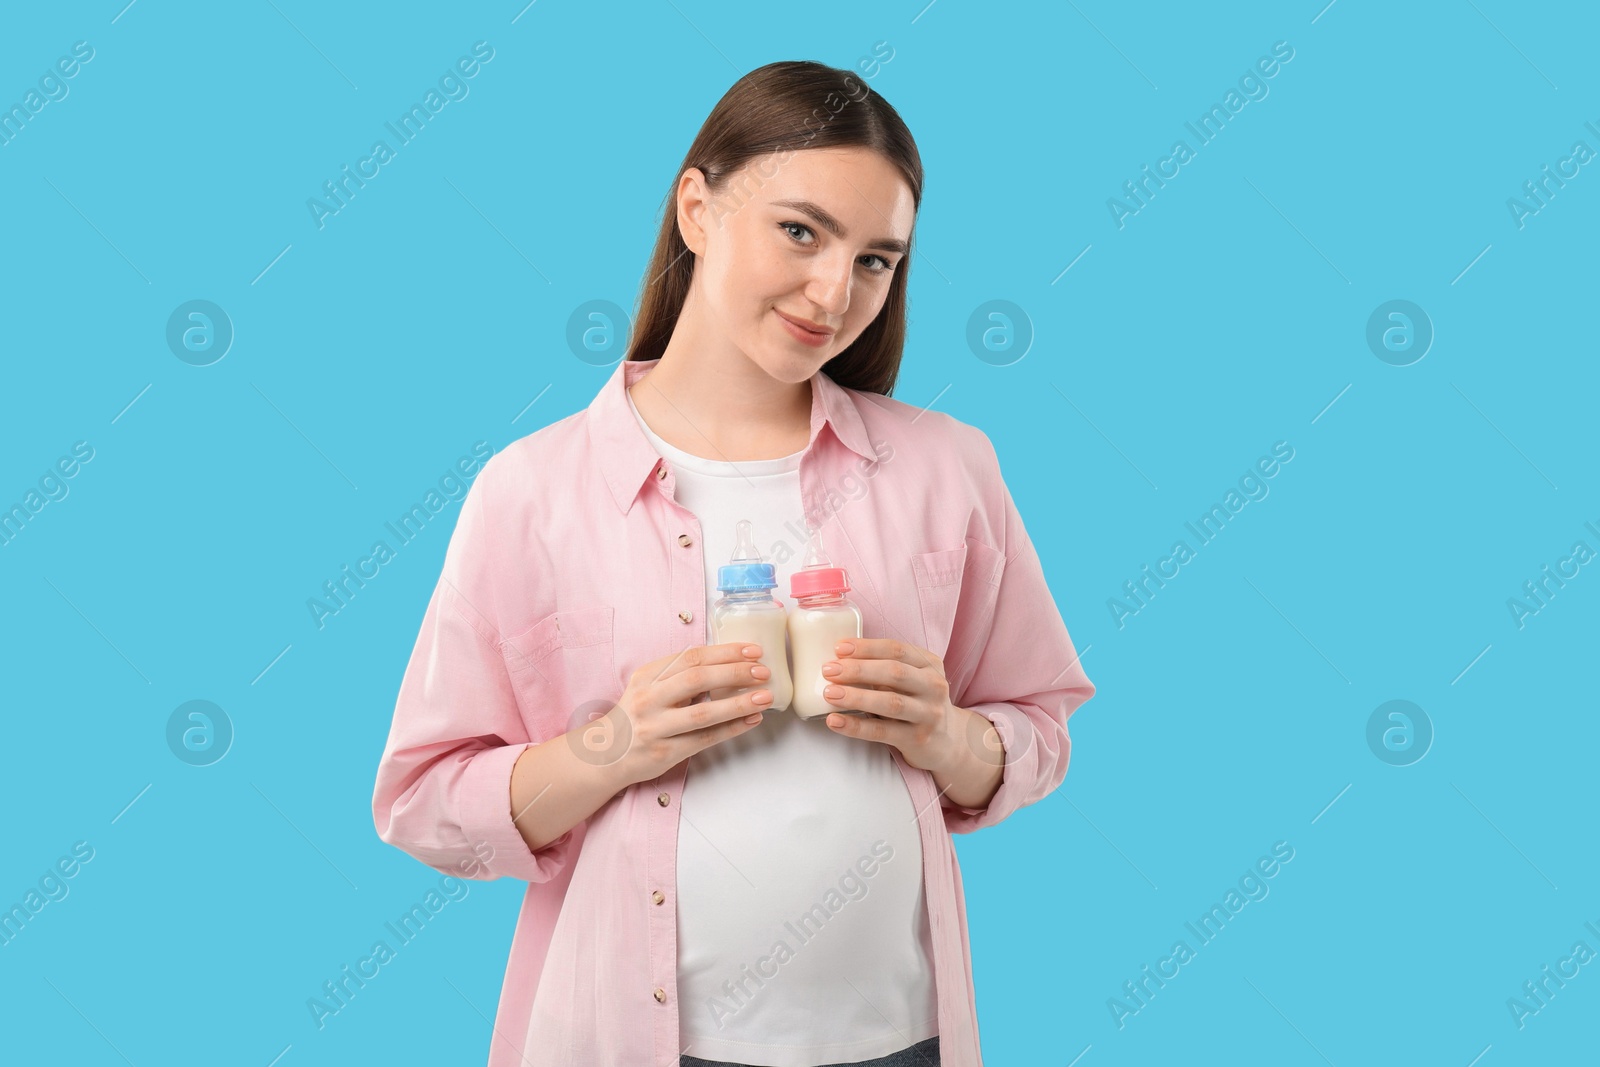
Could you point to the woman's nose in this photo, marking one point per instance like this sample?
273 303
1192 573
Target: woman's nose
830 289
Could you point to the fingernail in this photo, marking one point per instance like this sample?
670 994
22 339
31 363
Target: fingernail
844 648
833 692
752 650
753 719
760 671
762 697
830 669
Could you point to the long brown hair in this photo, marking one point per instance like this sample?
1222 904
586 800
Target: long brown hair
781 107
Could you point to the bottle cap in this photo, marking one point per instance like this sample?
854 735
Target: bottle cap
745 573
817 576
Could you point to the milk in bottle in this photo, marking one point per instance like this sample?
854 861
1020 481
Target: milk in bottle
748 612
822 617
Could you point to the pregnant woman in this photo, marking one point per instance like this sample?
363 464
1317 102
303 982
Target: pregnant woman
719 881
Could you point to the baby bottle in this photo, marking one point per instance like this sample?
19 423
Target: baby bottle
748 612
822 618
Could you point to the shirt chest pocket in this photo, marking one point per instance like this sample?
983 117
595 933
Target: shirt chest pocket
956 583
563 669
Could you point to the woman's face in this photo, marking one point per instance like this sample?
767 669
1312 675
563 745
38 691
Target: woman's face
797 240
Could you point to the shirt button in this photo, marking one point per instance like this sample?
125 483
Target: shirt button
661 995
664 799
686 616
661 471
658 896
685 540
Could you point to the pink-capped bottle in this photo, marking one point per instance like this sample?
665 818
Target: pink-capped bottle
822 617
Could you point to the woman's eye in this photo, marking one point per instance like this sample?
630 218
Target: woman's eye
790 227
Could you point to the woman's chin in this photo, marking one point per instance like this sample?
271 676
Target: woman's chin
790 367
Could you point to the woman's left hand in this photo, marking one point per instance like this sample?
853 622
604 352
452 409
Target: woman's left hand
911 700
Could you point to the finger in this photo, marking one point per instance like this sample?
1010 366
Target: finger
884 702
697 655
710 714
884 731
880 674
700 740
886 648
715 681
702 668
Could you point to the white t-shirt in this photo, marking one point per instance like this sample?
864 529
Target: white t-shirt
799 864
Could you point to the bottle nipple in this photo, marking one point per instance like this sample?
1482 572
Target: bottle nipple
744 572
817 575
816 556
744 544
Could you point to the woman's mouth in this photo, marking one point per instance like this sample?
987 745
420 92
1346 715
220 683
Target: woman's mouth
800 333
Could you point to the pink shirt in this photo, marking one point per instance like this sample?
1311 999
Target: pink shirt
571 565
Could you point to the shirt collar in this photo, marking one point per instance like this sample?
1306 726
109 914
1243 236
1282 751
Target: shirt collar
627 458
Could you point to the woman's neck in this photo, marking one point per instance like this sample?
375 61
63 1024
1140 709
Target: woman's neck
724 408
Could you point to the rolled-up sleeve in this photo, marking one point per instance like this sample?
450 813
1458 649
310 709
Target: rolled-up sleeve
1027 679
443 791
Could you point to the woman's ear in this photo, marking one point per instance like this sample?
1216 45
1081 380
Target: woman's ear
693 199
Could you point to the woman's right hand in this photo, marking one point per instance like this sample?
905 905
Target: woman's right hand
659 722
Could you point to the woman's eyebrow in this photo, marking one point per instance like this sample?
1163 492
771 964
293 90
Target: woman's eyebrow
833 226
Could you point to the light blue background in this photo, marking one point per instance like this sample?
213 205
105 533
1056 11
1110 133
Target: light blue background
1228 314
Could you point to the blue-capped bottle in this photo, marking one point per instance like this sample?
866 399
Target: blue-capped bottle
748 612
